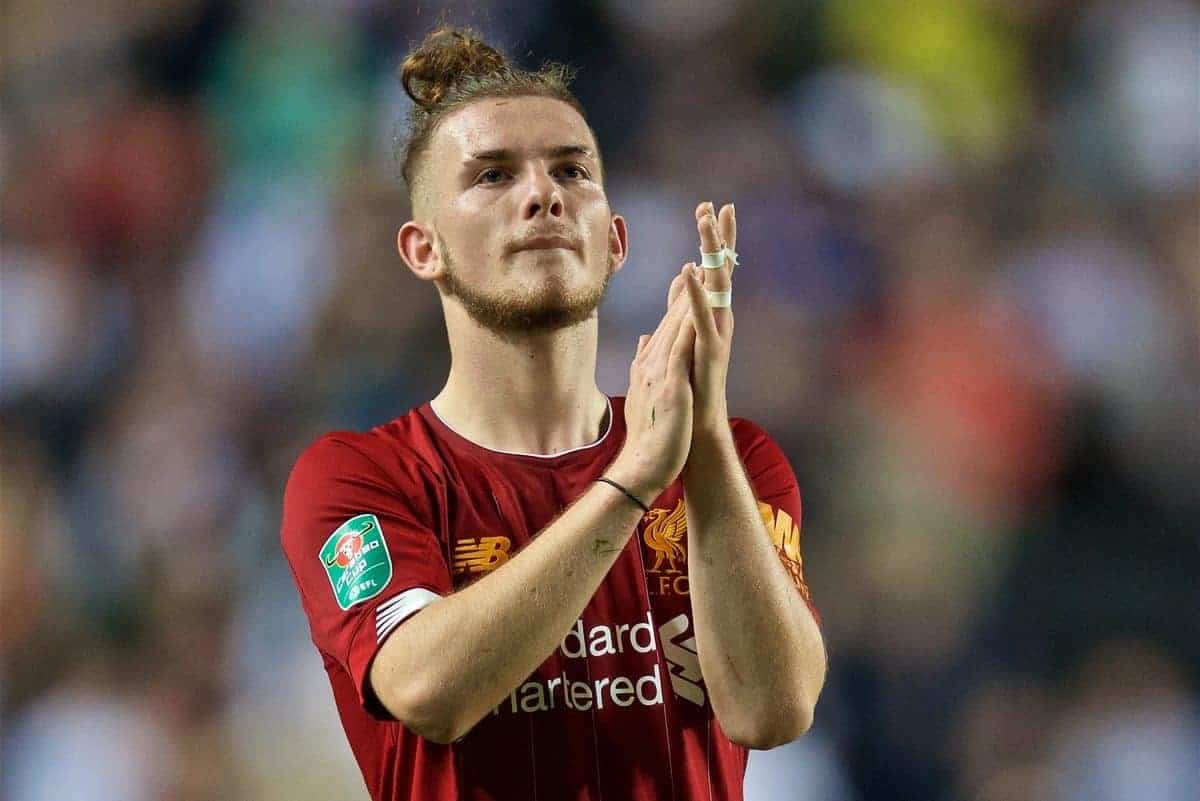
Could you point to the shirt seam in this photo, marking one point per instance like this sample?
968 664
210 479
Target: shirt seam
603 438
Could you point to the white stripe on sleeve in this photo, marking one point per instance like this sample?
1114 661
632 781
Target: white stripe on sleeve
395 611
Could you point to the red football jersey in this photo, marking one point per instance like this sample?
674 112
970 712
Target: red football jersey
378 525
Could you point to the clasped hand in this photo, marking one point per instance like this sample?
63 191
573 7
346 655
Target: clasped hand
705 332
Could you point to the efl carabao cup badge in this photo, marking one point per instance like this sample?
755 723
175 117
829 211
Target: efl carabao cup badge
357 560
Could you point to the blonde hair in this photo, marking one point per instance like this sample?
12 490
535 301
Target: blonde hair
454 67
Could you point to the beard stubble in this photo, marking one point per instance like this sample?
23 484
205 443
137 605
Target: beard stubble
551 306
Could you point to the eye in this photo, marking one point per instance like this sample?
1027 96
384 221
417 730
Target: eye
574 172
490 176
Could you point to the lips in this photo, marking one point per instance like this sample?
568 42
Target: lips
545 243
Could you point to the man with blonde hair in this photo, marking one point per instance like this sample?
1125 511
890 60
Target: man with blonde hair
524 588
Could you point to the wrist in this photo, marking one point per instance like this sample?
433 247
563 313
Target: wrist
635 481
711 450
621 489
712 435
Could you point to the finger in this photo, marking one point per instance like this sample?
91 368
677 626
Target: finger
705 324
727 226
671 325
710 242
676 307
710 239
675 290
679 363
637 356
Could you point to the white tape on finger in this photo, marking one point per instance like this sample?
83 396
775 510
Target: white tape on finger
716 260
719 300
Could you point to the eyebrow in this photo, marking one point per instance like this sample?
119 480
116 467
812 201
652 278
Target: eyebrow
558 152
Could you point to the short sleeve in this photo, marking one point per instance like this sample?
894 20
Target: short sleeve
778 493
362 558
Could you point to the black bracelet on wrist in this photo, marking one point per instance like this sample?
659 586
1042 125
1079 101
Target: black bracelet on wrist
632 497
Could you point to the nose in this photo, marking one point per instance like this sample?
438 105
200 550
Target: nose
543 196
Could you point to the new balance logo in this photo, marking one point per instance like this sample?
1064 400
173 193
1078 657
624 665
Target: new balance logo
481 555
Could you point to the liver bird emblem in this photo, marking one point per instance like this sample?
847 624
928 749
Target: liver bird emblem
664 532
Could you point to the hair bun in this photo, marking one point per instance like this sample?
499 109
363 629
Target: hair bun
446 57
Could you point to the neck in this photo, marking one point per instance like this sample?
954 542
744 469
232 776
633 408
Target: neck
524 394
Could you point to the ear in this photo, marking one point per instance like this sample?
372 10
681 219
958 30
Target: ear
416 243
618 243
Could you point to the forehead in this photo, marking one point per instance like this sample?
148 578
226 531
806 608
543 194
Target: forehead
526 125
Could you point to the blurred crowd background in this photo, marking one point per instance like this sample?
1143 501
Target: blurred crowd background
969 311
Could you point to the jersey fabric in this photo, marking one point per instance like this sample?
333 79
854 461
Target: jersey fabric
378 525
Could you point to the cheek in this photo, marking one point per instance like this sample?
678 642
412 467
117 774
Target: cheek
469 235
598 234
